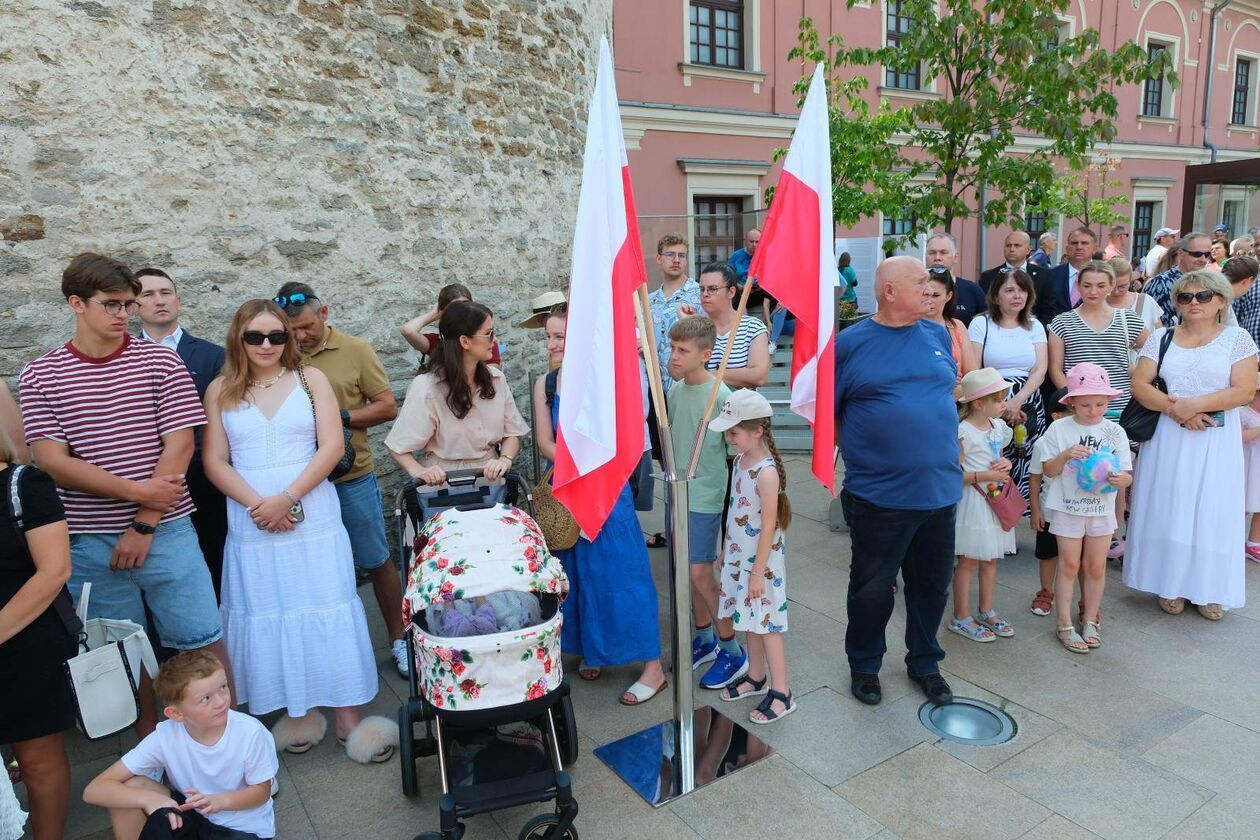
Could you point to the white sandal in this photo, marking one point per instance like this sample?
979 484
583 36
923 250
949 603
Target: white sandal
1090 634
1073 643
641 693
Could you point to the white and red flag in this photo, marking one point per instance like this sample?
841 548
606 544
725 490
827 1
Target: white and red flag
600 437
796 263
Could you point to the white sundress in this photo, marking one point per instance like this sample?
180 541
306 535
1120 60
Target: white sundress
294 626
743 530
977 532
1186 520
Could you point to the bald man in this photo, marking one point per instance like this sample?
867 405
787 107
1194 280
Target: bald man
898 429
1016 248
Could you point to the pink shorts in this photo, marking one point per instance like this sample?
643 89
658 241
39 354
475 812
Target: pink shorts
1073 526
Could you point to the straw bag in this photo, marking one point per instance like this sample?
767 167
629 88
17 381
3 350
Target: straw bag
559 528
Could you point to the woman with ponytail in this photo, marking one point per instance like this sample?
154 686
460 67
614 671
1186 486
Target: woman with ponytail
753 578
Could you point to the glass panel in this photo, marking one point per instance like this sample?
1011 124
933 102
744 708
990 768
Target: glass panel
694 13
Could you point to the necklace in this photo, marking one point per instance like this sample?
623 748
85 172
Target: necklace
254 383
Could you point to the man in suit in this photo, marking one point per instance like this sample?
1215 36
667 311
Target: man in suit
1016 248
942 250
159 319
1056 293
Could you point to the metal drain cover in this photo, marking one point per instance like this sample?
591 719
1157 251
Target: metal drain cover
968 721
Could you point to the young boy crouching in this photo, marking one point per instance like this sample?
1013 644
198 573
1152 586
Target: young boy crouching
219 764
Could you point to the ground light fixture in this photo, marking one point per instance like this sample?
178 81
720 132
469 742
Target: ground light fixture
967 721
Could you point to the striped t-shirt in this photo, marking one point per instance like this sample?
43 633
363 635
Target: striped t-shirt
112 412
1109 349
748 329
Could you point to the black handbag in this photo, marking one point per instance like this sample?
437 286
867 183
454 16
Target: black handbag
347 457
1137 420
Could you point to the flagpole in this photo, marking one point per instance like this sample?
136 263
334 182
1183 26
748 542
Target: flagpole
717 378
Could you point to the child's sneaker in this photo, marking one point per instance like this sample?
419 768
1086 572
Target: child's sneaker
1116 551
701 652
725 668
1253 552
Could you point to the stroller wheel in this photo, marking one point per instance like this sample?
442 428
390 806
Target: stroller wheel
407 753
542 826
566 730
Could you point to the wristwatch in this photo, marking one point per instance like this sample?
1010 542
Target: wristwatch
141 528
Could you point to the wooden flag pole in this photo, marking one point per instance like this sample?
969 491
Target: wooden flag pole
717 379
656 387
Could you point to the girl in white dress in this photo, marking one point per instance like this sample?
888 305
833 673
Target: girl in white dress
293 622
979 539
1189 500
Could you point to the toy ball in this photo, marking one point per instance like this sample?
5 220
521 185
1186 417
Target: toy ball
1092 472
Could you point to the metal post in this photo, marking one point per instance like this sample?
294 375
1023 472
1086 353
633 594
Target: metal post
680 627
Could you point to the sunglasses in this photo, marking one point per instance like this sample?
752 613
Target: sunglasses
293 300
1201 254
938 270
1202 297
255 339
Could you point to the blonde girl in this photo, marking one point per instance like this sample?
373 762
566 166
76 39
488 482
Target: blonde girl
753 579
979 538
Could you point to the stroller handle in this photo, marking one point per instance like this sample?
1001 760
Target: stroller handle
467 478
455 478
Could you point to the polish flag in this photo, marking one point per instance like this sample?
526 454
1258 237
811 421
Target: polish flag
600 437
796 263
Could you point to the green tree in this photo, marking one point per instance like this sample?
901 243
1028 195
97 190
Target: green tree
1002 69
1089 195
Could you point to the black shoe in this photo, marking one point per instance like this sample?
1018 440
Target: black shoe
865 688
935 688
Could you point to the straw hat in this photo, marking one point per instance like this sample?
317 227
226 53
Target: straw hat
981 383
541 307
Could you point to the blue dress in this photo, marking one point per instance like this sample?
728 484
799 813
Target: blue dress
610 616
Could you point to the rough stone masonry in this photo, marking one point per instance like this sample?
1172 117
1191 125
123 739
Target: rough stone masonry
376 149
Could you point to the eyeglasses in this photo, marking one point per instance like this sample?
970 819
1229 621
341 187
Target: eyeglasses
712 290
1201 296
1200 254
114 307
675 255
292 301
255 339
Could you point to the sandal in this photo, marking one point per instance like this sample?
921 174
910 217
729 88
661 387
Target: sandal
769 715
1212 612
657 540
732 692
996 623
641 693
1042 602
1172 606
1090 634
590 673
971 629
1072 641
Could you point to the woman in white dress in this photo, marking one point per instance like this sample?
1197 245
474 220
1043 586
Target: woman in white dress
293 622
1186 522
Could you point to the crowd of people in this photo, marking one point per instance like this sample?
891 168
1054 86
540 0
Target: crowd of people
223 496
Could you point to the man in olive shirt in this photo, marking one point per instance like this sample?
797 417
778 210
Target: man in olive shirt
362 388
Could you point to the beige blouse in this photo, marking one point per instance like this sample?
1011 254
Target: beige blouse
426 427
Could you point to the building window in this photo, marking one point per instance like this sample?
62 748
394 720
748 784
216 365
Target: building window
1242 92
1035 225
1230 213
717 33
719 229
895 230
897 26
1153 94
1143 226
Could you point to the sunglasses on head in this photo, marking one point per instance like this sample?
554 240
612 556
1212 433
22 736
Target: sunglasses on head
1201 296
255 339
293 300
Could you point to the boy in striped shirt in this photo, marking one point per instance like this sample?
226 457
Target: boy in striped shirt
111 419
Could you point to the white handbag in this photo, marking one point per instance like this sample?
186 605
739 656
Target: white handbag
105 676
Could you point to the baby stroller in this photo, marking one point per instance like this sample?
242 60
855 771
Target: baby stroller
467 559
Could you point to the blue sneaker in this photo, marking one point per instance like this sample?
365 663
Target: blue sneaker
702 653
725 668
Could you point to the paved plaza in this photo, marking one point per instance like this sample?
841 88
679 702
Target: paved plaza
1156 734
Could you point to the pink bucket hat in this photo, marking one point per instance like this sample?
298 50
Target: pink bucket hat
1089 380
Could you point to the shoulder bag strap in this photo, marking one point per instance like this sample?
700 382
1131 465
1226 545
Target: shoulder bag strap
1163 349
549 386
985 342
301 374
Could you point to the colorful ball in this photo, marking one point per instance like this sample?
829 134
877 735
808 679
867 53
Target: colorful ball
1092 472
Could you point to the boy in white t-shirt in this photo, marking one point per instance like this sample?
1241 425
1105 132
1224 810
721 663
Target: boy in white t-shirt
218 763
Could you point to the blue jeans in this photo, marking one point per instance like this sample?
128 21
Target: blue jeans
919 543
364 518
174 582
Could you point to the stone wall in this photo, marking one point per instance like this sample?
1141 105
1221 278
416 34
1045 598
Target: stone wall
376 149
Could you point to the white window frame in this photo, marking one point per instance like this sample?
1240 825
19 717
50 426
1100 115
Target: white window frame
1251 117
725 178
752 72
927 87
1168 105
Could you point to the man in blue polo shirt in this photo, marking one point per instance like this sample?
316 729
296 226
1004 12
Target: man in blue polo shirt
898 432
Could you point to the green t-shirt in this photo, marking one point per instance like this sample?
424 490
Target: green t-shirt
707 491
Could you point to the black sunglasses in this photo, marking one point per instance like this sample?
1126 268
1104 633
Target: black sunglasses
1201 296
1200 254
255 339
294 300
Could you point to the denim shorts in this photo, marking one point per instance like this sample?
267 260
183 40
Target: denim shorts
364 518
173 581
703 530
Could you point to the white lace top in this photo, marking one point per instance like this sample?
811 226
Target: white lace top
1202 370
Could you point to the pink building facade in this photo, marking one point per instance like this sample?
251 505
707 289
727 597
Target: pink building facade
706 97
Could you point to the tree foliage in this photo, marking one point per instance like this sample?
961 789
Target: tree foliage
1001 71
1089 196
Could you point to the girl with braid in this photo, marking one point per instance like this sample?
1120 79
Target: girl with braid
753 585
